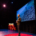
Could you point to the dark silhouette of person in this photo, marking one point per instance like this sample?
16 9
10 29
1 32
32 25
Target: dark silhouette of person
18 24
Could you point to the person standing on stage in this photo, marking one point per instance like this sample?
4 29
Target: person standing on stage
18 24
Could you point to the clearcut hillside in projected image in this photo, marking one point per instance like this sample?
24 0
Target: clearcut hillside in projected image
27 12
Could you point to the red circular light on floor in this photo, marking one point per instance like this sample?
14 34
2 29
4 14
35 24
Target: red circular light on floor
16 34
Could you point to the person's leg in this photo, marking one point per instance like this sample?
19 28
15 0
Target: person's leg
18 27
19 30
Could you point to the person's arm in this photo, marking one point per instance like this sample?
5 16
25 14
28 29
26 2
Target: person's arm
19 19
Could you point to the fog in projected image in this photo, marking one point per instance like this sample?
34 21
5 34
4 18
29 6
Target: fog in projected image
27 12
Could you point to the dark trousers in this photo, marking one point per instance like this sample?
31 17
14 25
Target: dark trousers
18 27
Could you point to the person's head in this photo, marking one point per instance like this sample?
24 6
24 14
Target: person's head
18 15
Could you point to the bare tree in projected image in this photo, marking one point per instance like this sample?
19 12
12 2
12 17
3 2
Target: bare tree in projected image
33 11
23 16
29 14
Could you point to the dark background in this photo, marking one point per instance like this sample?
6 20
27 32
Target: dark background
8 15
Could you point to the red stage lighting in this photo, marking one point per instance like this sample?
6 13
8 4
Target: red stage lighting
4 5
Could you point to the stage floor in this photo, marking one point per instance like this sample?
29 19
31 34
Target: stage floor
5 32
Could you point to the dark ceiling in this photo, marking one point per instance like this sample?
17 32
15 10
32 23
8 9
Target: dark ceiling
9 13
16 3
